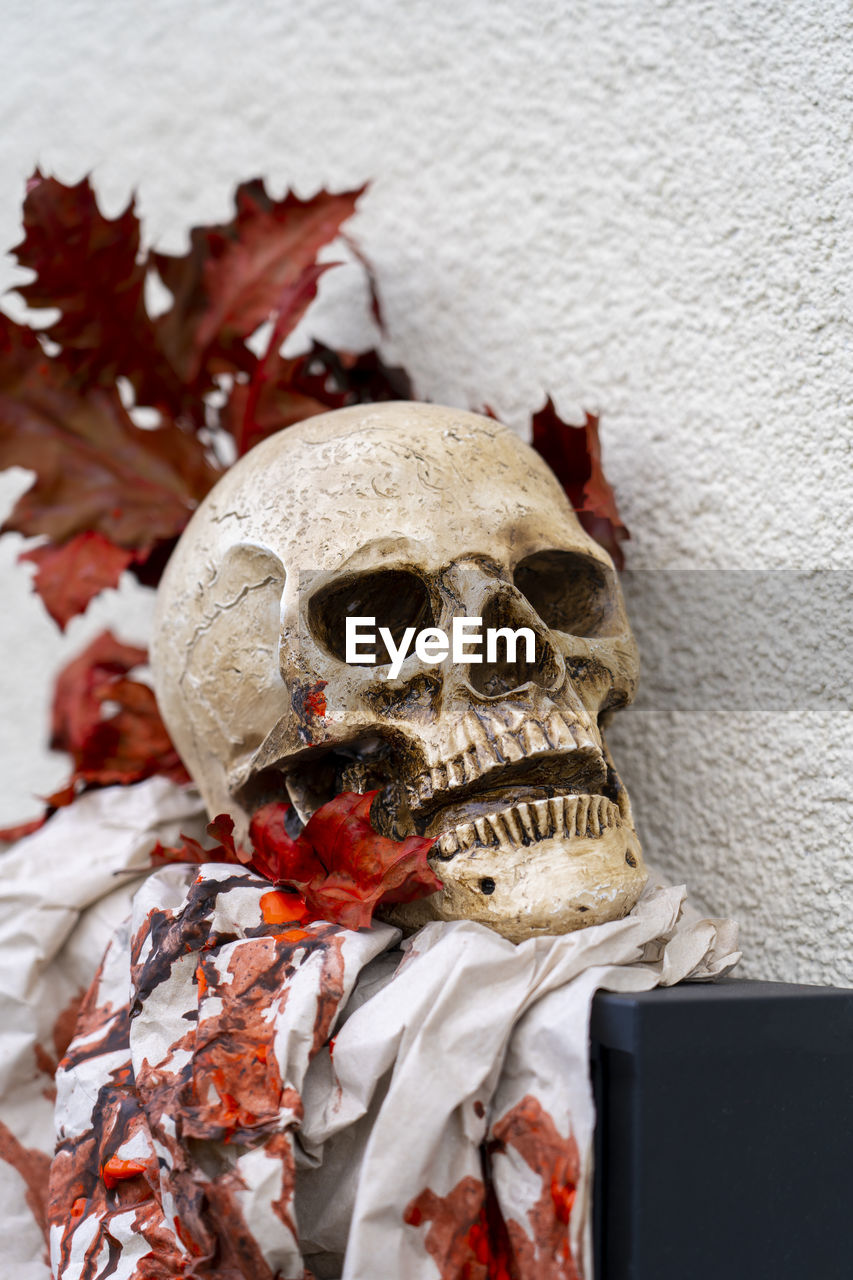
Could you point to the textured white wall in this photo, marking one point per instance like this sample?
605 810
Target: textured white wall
640 207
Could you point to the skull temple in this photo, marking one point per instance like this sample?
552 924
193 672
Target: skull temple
413 515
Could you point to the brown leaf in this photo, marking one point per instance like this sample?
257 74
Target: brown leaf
303 386
108 723
87 266
95 470
231 280
574 455
69 577
372 283
290 307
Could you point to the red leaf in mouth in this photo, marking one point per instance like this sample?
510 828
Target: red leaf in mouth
342 868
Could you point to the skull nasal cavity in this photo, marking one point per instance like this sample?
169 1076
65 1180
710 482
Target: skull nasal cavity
511 668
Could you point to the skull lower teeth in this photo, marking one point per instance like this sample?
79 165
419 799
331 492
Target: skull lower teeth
528 822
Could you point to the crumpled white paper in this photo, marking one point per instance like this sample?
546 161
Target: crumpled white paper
365 1157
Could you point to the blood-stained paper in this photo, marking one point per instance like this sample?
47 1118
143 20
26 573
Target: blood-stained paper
251 1095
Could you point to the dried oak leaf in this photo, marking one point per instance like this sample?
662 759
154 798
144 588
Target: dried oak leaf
342 868
108 723
574 455
69 577
231 280
292 304
95 470
89 267
302 386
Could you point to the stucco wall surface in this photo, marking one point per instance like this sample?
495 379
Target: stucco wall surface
642 208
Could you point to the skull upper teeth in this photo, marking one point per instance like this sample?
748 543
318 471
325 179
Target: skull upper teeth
481 753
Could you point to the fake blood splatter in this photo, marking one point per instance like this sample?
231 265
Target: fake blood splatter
33 1166
467 1235
545 1254
219 1082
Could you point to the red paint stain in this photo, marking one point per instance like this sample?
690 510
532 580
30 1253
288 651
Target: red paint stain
64 1028
44 1061
564 1200
34 1167
225 1085
531 1131
116 1171
467 1236
315 699
280 907
293 935
63 1032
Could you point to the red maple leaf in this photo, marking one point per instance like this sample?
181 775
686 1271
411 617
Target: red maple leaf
574 455
95 470
289 390
10 835
342 868
108 723
69 577
231 280
91 269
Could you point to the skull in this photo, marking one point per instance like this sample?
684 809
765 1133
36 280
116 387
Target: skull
412 514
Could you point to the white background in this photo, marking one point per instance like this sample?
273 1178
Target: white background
642 208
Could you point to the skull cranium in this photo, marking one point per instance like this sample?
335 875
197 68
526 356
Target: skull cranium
412 514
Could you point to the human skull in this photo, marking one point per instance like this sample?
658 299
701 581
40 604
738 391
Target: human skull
412 514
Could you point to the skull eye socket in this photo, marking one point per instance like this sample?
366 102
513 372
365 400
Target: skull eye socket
571 592
396 598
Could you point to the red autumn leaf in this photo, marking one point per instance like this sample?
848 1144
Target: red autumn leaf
95 470
276 855
342 868
108 723
232 278
303 386
574 455
372 283
222 829
89 267
69 577
190 851
340 864
290 307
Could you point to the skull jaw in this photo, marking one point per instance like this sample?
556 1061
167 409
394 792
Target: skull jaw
556 886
